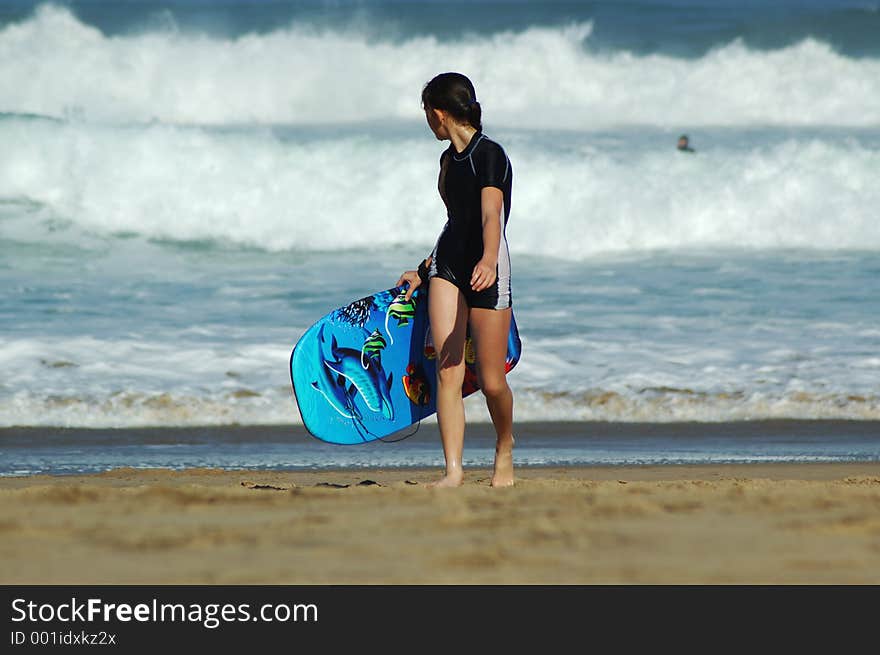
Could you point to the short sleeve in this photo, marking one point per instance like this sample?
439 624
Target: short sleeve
491 166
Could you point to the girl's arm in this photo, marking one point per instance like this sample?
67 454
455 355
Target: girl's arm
492 201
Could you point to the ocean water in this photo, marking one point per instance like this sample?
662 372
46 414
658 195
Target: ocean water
185 186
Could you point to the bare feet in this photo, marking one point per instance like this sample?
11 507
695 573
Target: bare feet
503 474
448 481
453 478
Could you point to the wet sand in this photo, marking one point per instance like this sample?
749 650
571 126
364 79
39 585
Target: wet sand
755 524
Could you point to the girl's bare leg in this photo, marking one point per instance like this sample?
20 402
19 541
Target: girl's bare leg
448 313
489 329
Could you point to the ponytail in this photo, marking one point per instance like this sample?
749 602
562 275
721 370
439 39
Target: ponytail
475 117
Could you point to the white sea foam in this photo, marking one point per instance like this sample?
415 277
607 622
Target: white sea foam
52 64
87 382
258 189
138 409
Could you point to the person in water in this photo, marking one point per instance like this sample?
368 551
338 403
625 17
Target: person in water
468 272
683 144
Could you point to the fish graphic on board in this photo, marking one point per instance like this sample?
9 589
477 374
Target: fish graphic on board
430 352
331 386
401 310
345 378
415 384
469 354
373 347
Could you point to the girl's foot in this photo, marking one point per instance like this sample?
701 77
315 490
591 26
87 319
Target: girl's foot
453 479
503 474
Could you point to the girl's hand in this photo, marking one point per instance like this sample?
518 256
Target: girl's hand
412 279
484 274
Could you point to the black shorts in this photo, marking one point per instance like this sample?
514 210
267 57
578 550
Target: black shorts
495 296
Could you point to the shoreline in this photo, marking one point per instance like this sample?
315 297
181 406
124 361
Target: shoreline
558 428
74 451
808 523
602 472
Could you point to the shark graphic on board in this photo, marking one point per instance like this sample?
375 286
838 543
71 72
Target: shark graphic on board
347 375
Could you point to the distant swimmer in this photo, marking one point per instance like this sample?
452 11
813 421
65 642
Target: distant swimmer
683 144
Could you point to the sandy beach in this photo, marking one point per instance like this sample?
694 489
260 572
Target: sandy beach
793 523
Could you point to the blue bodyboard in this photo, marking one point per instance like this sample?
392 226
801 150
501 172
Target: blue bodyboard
367 371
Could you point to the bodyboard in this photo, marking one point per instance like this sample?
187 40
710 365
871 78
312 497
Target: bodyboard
367 371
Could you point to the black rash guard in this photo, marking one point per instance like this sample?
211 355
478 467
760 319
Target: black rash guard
463 176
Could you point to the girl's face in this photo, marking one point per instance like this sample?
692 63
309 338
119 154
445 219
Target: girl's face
437 119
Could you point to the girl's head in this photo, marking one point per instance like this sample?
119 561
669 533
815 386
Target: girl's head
454 94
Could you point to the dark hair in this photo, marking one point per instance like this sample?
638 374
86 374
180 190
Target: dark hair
454 93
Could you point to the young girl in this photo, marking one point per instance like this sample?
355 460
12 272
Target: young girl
468 272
